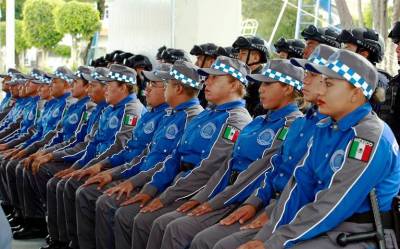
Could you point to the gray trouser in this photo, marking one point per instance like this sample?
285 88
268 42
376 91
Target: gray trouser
5 196
55 209
123 227
86 198
106 208
34 208
236 239
45 173
70 188
142 226
210 236
177 230
11 173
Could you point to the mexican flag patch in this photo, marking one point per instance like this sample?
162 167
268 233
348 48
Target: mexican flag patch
130 120
361 149
283 133
85 117
231 133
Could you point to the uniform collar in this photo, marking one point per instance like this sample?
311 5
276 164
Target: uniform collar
66 95
349 120
8 94
184 105
230 105
282 112
313 112
36 98
160 108
82 100
101 104
129 98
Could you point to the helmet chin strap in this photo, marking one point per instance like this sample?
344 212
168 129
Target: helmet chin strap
248 58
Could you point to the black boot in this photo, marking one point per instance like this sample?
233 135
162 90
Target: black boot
54 244
32 229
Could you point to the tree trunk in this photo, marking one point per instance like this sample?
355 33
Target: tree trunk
346 21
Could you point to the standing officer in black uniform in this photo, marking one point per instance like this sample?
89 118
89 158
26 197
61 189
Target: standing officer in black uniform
394 121
254 52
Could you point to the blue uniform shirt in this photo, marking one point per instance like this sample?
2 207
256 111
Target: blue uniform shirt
141 136
346 160
5 101
165 138
291 152
196 143
49 119
29 115
70 121
259 135
110 123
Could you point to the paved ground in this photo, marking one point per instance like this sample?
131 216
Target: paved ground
28 244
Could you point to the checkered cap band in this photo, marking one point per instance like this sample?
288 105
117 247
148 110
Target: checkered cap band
121 77
36 76
270 73
230 70
63 76
350 75
95 75
317 60
78 73
184 79
45 80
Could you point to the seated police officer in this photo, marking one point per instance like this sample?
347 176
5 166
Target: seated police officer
352 154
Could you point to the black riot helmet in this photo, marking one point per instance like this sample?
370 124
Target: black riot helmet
365 39
252 43
294 47
228 52
170 55
395 33
322 35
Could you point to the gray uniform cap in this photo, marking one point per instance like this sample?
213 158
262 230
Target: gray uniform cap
96 74
160 72
319 56
351 67
63 73
228 66
185 72
120 73
282 71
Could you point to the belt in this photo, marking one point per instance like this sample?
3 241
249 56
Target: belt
186 166
387 219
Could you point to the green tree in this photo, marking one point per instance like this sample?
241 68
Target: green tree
81 21
39 25
266 13
21 44
19 4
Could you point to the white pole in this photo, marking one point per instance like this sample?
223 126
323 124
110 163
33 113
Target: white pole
298 19
278 21
10 33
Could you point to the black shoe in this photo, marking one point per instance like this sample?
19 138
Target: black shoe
55 245
15 221
48 239
16 228
29 232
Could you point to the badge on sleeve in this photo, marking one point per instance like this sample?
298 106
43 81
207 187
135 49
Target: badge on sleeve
130 120
231 133
361 149
283 133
